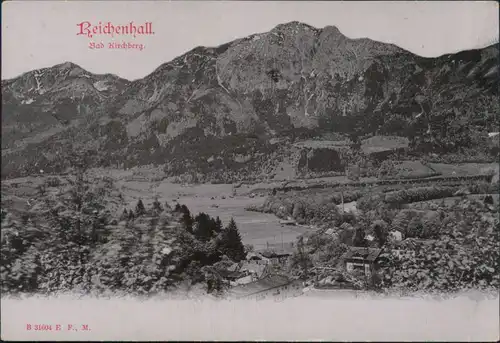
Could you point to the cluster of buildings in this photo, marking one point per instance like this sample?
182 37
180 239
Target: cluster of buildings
364 261
259 277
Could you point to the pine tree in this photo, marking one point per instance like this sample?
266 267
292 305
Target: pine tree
301 258
124 215
131 215
178 208
157 206
204 226
380 231
140 209
186 220
230 243
218 225
359 238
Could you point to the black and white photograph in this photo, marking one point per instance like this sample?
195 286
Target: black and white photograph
238 170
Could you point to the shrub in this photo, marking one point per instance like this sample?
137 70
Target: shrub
452 264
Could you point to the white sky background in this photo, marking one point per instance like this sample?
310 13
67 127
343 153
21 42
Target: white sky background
37 34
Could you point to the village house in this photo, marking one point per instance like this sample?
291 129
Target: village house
271 286
361 258
235 277
254 268
257 258
277 256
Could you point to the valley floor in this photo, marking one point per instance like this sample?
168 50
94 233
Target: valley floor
264 227
257 229
223 200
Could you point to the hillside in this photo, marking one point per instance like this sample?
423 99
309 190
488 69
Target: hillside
219 111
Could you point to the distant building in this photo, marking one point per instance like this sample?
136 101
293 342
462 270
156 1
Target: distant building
243 280
237 277
257 258
232 275
395 236
330 232
270 286
361 258
258 270
278 256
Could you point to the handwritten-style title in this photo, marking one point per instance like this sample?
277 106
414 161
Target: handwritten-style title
90 30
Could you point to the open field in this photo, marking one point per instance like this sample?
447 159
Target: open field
464 169
410 170
255 228
383 143
450 201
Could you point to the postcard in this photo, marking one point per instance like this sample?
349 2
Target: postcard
250 171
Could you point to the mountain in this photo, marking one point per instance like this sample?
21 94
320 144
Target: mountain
223 109
48 100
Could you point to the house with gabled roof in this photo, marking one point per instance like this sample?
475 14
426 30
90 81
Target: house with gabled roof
362 259
278 255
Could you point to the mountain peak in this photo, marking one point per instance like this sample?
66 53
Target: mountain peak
294 25
67 65
333 30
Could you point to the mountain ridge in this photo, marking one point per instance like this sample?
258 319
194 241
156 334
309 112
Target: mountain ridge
216 103
491 44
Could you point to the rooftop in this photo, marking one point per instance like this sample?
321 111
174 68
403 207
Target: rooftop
231 274
253 267
367 254
276 250
276 253
254 256
269 282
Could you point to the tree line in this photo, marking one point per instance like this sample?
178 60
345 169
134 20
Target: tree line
73 243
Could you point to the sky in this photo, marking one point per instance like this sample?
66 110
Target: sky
38 34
